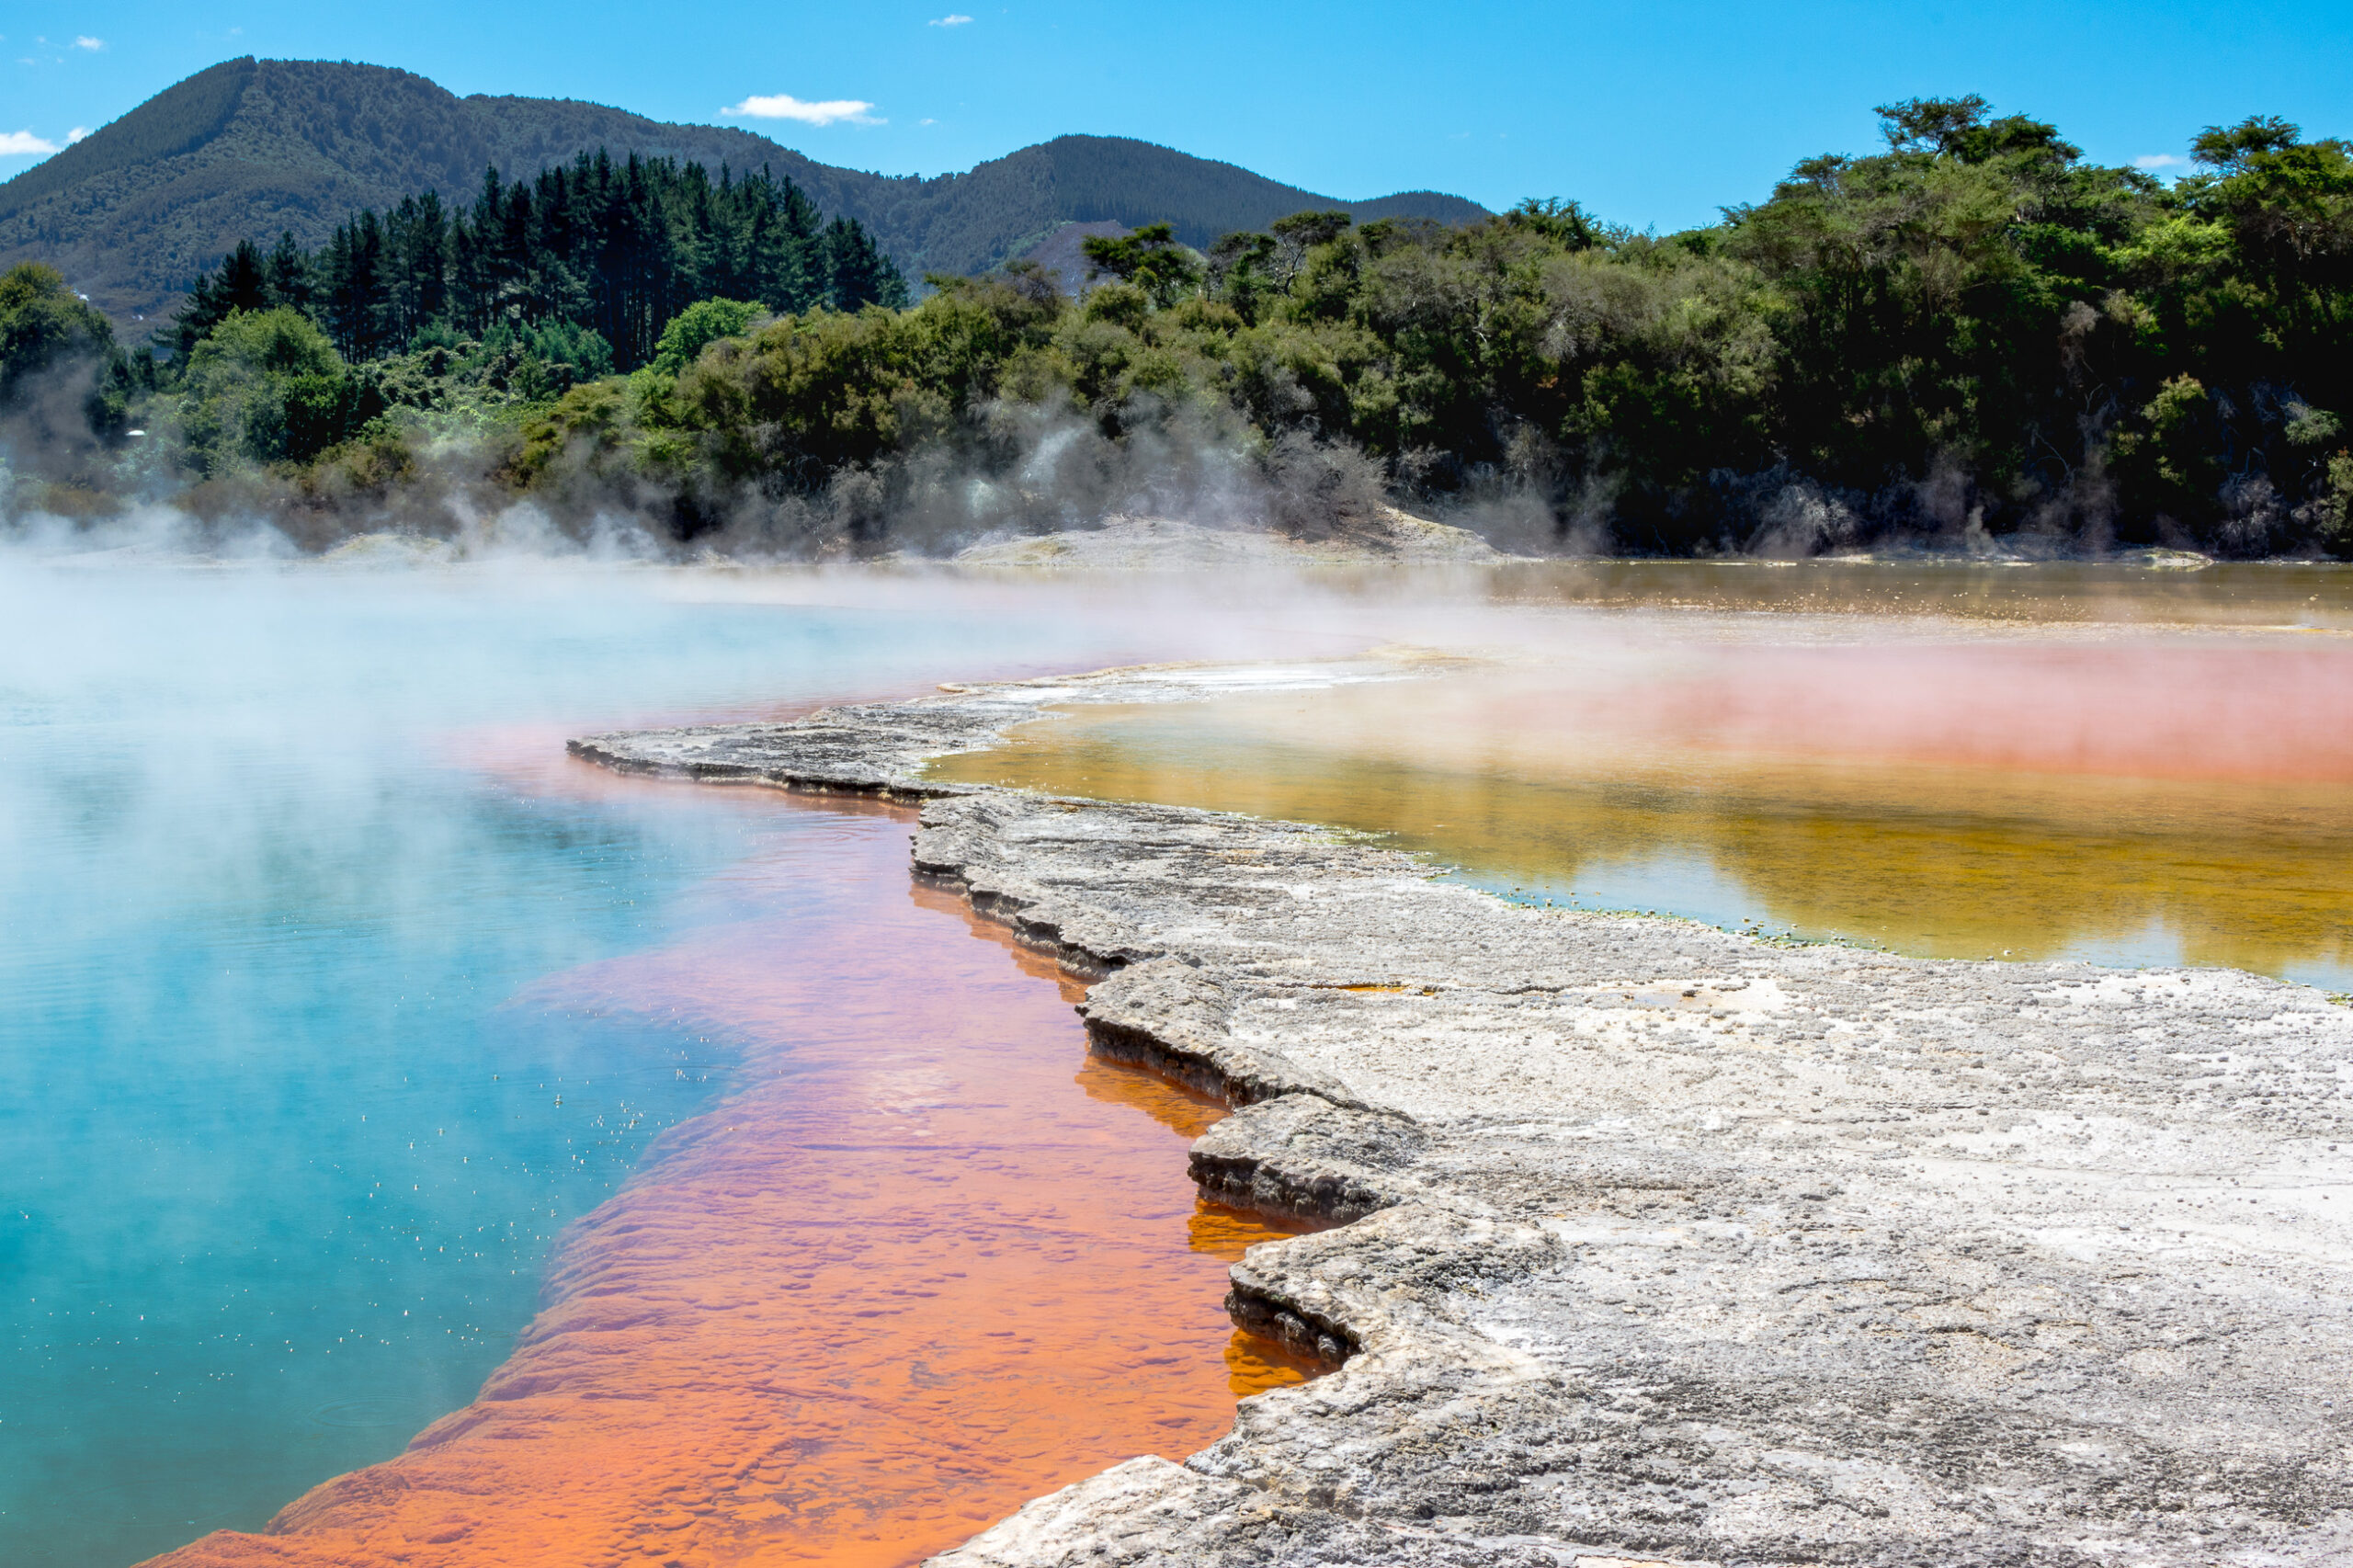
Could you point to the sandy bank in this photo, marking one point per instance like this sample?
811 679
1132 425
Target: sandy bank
1667 1242
1162 544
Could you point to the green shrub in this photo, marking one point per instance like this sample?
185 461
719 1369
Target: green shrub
43 326
267 387
696 327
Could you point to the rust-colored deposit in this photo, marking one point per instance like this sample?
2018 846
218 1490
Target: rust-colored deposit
924 1262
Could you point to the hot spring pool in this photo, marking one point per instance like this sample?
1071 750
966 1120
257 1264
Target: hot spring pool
285 1131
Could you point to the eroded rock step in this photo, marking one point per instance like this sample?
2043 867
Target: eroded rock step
1663 1244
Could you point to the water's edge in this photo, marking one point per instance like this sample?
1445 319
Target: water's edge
1408 1057
875 752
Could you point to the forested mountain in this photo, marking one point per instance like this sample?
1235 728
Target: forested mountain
131 213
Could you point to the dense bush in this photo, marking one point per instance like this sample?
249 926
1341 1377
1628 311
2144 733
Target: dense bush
45 329
267 387
65 393
1972 333
612 247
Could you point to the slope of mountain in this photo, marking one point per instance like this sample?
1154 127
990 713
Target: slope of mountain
1063 251
250 147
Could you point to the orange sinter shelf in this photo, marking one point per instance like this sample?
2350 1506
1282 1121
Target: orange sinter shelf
923 1261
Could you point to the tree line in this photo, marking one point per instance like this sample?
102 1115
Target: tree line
613 247
1972 335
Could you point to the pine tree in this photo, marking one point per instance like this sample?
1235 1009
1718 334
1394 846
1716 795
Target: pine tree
290 274
617 248
241 282
417 237
244 283
355 299
858 273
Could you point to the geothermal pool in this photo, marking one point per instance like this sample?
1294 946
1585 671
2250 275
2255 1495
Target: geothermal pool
349 1027
921 1261
335 995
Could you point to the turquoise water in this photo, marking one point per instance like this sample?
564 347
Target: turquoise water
280 1150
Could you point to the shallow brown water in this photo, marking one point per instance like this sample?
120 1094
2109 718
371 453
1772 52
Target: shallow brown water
925 1261
2133 799
2268 594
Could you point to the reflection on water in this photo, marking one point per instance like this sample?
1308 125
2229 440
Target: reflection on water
926 1262
2125 802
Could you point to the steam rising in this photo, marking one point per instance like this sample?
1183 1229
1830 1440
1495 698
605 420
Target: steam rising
1014 470
1018 469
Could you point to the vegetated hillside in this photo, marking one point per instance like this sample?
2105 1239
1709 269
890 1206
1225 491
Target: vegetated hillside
251 147
1062 252
969 222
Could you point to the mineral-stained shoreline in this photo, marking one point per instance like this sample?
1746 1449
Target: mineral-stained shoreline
1663 1243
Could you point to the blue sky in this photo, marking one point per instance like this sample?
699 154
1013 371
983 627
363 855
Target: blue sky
1650 115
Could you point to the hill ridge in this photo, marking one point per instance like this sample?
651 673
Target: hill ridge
250 146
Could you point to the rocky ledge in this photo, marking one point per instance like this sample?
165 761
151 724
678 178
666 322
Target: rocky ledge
1663 1244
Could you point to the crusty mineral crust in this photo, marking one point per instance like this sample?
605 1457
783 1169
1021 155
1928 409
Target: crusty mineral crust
1664 1242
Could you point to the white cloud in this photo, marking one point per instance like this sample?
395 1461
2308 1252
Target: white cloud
926 122
2160 160
89 44
20 143
784 105
76 134
951 20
